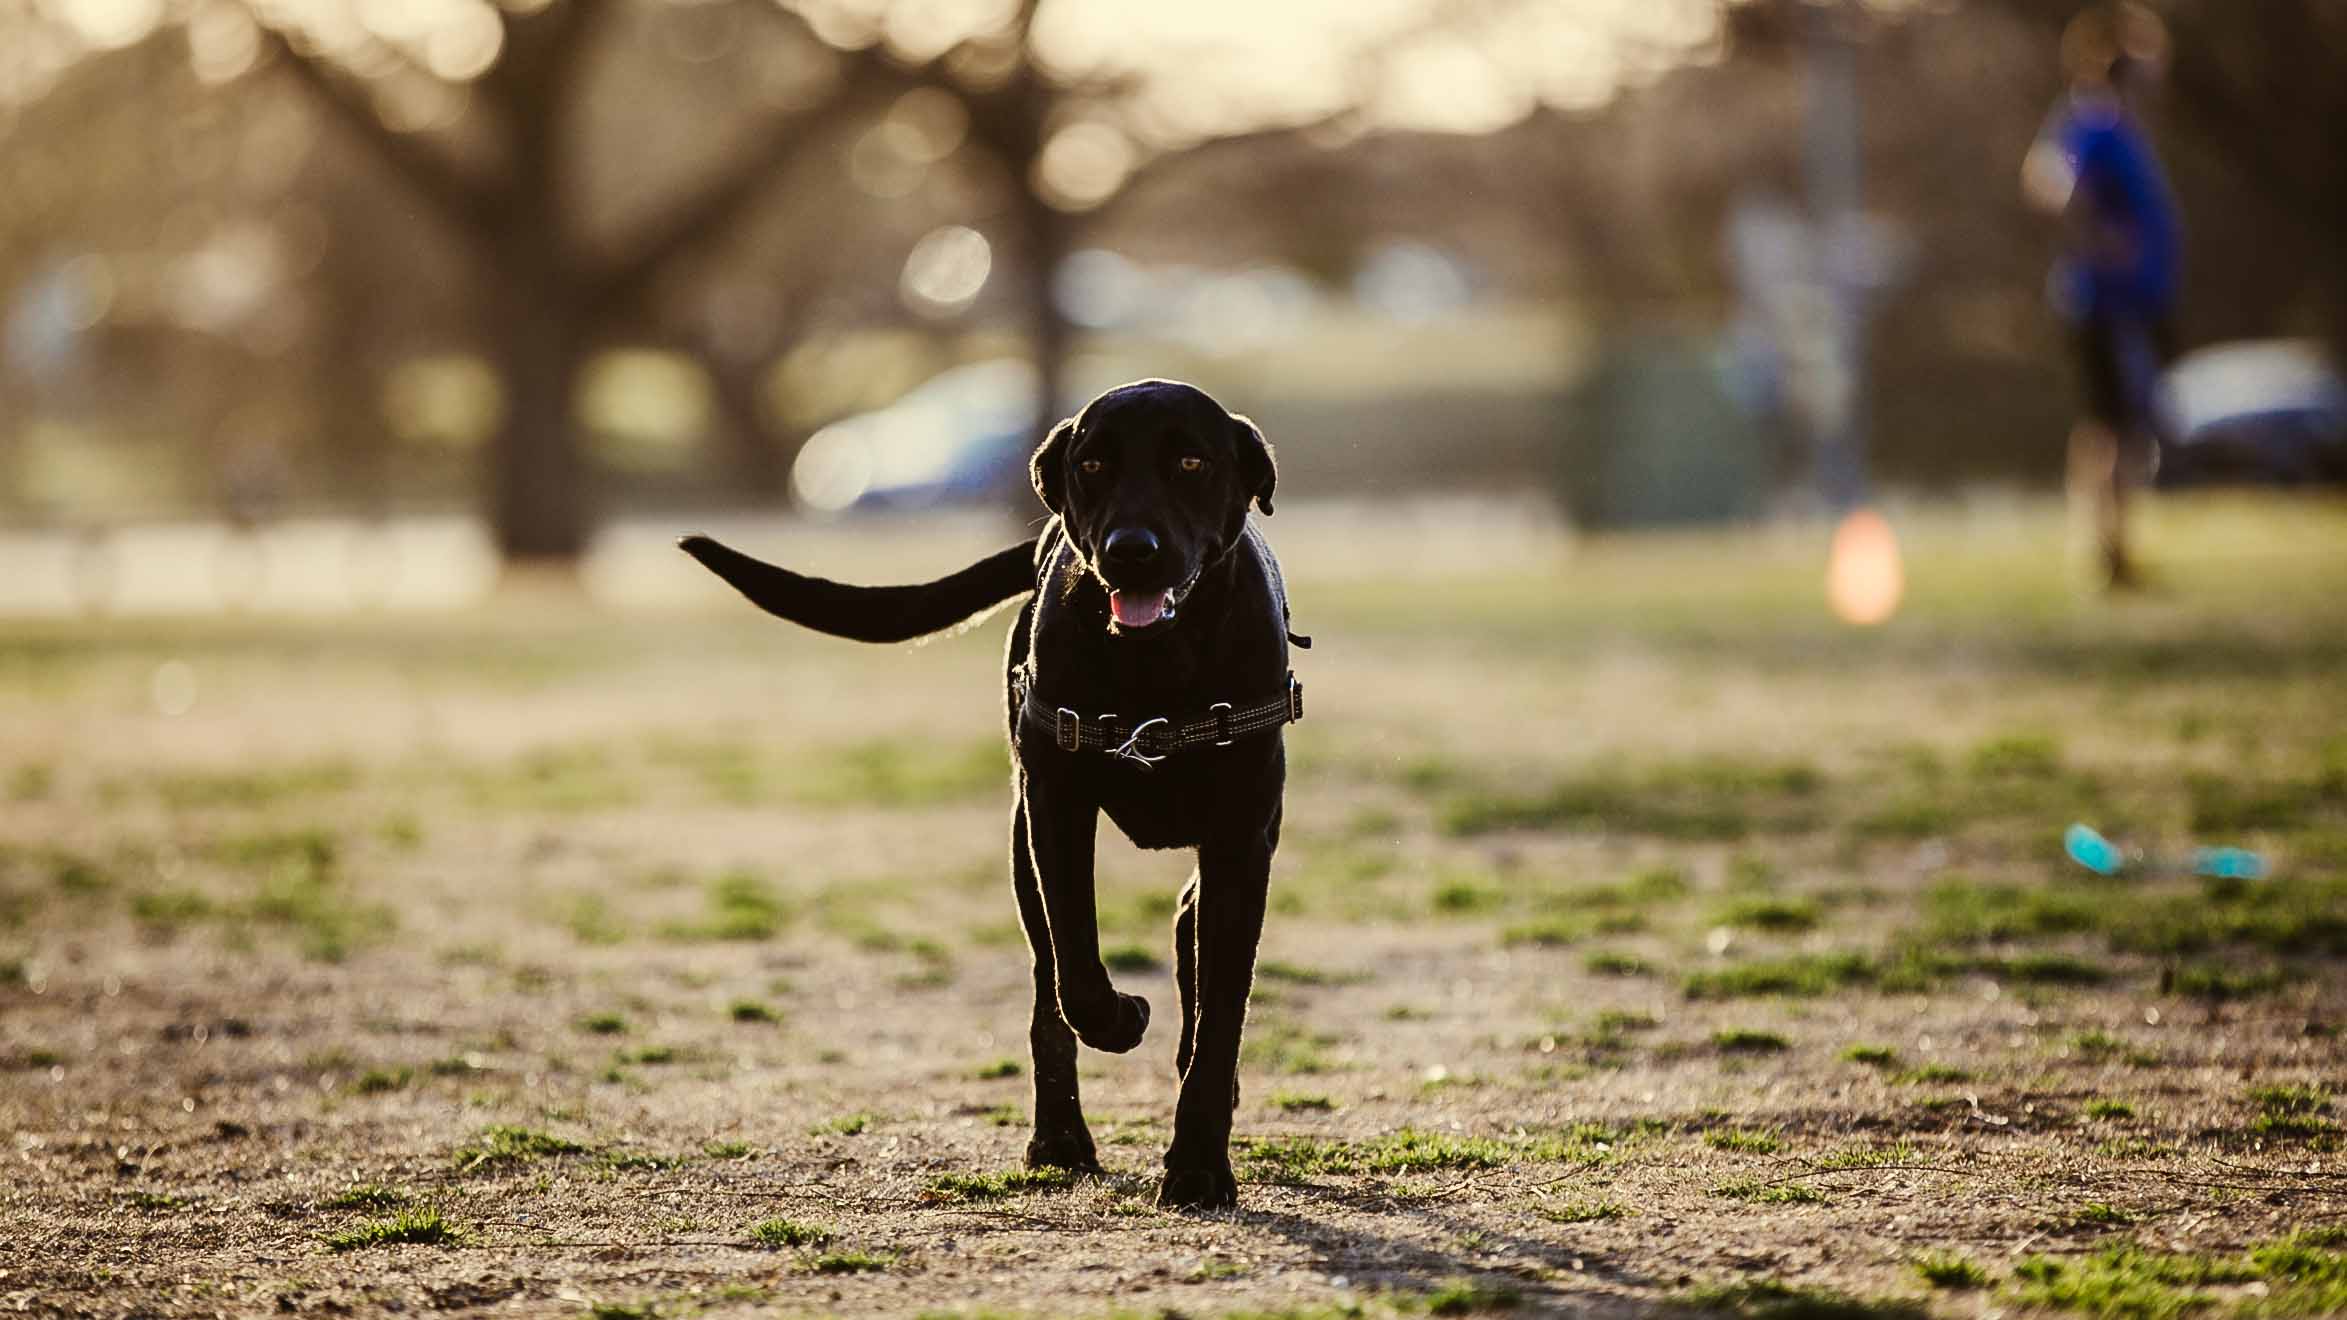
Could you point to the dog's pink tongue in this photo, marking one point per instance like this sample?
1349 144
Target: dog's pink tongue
1137 611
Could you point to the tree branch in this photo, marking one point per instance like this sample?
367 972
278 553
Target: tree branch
445 186
725 198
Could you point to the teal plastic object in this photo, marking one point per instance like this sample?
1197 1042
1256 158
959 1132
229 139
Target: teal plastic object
2092 851
2228 864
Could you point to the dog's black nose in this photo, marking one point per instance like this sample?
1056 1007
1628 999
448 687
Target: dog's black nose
1130 546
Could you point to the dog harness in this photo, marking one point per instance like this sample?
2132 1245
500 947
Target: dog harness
1146 742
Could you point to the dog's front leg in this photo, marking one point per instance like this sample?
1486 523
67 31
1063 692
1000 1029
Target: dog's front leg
1233 879
1061 1138
1061 821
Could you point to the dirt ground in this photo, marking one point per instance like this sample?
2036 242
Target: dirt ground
1642 941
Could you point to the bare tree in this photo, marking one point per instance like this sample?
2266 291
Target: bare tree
547 293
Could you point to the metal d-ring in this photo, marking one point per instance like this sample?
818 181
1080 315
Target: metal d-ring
1130 748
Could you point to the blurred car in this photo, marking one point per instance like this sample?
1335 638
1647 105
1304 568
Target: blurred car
2261 412
960 437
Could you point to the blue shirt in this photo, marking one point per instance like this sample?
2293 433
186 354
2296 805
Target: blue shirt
2130 264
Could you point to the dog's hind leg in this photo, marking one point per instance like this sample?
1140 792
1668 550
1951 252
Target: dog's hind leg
1061 1138
1185 942
1185 949
1060 828
1234 877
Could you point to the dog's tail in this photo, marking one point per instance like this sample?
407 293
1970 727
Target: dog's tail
870 614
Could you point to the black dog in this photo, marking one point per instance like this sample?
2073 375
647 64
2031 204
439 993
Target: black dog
1148 678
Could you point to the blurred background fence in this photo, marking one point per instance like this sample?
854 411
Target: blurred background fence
553 263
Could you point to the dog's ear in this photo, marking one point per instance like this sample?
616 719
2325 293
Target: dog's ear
1048 468
1258 474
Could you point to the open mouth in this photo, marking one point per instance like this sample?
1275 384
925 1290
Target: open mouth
1133 611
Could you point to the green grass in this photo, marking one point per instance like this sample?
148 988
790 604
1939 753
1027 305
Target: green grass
999 1069
423 1226
1466 1297
1759 1192
753 1010
2291 1112
846 1125
376 1081
1873 1056
736 905
1712 799
604 1024
1768 1299
505 1147
1281 1046
1747 1040
1801 976
1950 1272
1301 1102
1409 1151
367 1196
728 1150
789 1233
1780 915
1611 963
2123 1281
1744 1141
1131 958
2109 1109
1934 1074
997 1186
1585 1212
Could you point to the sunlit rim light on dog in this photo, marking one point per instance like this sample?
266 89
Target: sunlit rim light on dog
1864 580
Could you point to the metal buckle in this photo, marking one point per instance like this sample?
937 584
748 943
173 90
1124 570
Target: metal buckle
1130 748
1221 711
1068 730
1295 700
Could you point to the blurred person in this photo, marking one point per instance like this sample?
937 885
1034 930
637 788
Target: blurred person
2116 278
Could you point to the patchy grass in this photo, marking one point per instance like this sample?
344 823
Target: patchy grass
737 905
421 1226
2291 1112
789 1233
1585 1212
367 1196
1467 1297
999 1069
1301 1102
1131 958
753 1010
1780 915
1758 1192
846 1125
997 1186
1802 976
1768 1299
1950 1272
1744 1141
505 1147
1881 1057
2123 1281
1749 1040
2109 1109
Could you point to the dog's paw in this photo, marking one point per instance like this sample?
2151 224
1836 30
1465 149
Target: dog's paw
1117 1030
1199 1186
1063 1150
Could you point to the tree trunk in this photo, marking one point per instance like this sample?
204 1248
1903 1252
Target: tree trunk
757 452
540 497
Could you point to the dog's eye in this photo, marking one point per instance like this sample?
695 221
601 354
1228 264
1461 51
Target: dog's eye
1193 463
1091 467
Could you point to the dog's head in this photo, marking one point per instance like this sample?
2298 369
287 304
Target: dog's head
1152 481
